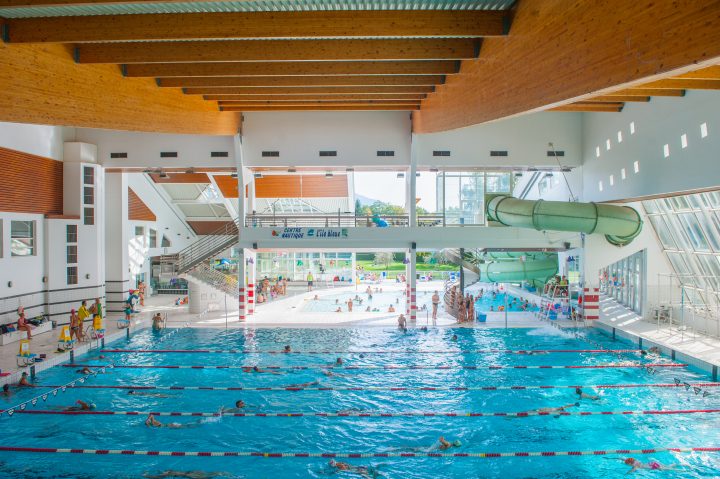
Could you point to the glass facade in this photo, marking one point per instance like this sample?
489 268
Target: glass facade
295 266
688 229
625 281
461 194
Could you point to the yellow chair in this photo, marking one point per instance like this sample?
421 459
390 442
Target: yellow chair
25 357
65 342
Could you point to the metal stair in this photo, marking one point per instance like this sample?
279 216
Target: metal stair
205 273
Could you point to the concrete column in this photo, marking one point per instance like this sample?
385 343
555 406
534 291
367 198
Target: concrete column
242 286
250 273
412 184
117 238
237 144
411 285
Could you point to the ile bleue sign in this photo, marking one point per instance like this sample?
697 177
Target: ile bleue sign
310 233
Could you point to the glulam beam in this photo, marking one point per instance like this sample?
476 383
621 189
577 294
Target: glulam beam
309 90
357 80
259 25
278 50
322 108
591 107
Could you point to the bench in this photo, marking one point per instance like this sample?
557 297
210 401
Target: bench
16 336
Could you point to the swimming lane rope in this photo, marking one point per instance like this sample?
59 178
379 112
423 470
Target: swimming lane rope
375 367
453 414
356 455
465 351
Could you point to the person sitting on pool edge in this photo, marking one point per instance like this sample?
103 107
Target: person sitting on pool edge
364 471
582 395
157 322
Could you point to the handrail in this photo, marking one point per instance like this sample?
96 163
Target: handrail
347 220
209 275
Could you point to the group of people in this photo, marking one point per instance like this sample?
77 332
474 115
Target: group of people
463 307
77 318
266 291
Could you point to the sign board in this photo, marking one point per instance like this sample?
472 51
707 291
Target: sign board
310 233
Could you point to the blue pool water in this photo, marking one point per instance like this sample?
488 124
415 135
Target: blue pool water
489 303
364 435
380 301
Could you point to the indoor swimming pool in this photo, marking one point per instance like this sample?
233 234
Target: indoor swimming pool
377 401
329 303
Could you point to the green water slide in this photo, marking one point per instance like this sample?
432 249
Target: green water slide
619 224
535 271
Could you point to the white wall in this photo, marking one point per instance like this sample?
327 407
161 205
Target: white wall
144 149
41 140
660 122
299 136
525 138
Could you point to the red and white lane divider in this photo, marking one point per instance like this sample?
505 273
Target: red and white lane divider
464 351
374 367
393 388
356 455
373 414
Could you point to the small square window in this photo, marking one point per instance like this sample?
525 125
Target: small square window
22 238
636 166
666 150
153 238
139 231
597 152
89 175
71 254
632 127
683 140
89 216
71 233
600 186
607 144
88 195
623 174
72 277
703 130
619 136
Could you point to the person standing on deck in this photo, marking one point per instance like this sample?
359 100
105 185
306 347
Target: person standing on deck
310 279
435 304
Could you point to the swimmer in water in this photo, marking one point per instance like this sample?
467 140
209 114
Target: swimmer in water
652 465
301 385
583 395
256 369
443 444
152 422
81 406
239 407
187 474
454 337
364 471
545 410
24 380
6 391
135 392
287 349
338 362
86 370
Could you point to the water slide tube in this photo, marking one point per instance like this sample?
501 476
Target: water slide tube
531 271
619 224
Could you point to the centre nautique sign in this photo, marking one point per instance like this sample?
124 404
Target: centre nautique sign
310 233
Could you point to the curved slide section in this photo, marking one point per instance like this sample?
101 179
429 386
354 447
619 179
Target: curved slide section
516 271
619 224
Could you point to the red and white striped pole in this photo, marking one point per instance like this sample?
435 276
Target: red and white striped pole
591 304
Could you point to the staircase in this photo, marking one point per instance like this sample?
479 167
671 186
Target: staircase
193 261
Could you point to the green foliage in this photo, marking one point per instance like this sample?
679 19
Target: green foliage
383 258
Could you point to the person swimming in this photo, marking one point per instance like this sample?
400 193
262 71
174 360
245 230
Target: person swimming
545 410
301 385
152 422
86 370
6 391
364 471
240 406
187 474
287 349
81 406
652 465
338 362
443 444
454 337
256 369
24 380
583 395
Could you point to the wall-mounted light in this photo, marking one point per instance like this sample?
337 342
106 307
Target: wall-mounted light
190 170
164 175
548 175
233 175
434 170
258 175
401 175
349 170
291 170
44 279
87 276
9 284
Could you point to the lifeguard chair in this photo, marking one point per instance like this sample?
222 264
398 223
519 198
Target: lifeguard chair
65 342
25 357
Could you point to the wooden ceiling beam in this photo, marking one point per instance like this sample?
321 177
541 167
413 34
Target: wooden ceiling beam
323 108
278 50
617 98
684 84
315 102
559 52
310 90
358 80
646 92
250 69
259 25
709 73
318 97
591 107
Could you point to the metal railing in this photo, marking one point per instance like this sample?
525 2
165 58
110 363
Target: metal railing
204 248
207 274
340 220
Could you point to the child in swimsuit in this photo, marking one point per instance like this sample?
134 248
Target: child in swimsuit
652 465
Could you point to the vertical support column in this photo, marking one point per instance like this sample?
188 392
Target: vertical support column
591 304
462 273
242 287
117 238
250 273
237 146
412 184
411 284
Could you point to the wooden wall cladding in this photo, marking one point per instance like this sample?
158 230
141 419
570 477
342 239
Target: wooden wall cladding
228 185
42 84
559 52
210 227
301 186
137 209
31 184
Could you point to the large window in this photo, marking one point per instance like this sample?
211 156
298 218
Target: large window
688 229
461 194
22 238
625 281
153 238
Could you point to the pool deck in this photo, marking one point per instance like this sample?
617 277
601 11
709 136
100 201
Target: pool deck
686 346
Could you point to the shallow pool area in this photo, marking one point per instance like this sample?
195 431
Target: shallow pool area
393 394
490 302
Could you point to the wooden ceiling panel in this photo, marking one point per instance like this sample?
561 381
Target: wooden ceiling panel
259 25
357 80
278 186
685 83
228 185
322 108
212 227
316 97
278 50
321 186
250 69
591 107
